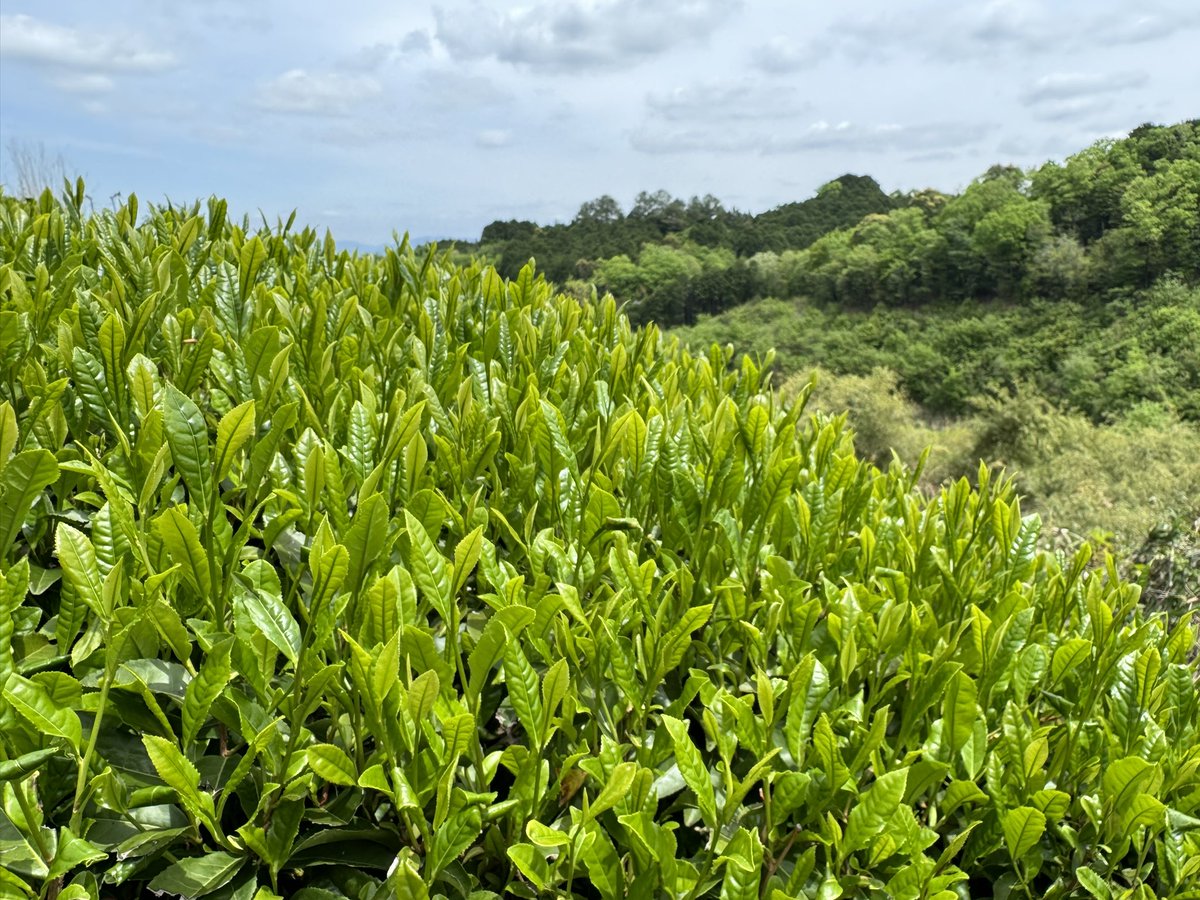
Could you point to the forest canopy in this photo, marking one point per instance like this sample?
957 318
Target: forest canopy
1117 216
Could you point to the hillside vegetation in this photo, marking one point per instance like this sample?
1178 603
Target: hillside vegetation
1105 223
1094 409
1046 321
1072 357
670 259
328 576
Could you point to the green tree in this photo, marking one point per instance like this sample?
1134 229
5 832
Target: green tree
1163 211
1084 193
666 213
604 210
1009 236
620 276
1059 268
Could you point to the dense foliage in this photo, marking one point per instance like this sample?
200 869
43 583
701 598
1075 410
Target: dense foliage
1049 320
1118 215
1105 360
1093 408
1113 218
1115 484
657 256
333 576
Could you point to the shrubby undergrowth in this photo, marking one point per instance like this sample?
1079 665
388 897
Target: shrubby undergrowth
328 576
1106 359
1112 484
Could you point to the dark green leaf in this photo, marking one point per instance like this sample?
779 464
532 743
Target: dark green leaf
187 436
197 876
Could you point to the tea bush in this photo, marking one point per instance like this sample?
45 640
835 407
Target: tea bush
328 576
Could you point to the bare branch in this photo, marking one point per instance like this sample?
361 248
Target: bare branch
34 170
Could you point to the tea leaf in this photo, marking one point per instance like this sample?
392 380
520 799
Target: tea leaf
266 610
332 764
522 684
234 429
205 688
429 568
532 864
466 555
1123 779
366 538
175 771
958 712
187 436
455 835
875 807
691 766
24 477
1023 828
603 865
616 787
197 876
33 703
407 883
250 262
182 541
81 572
1093 883
16 769
544 836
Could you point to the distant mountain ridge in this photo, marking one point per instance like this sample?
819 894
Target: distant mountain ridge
1119 215
602 229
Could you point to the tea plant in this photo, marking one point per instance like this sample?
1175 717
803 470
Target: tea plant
332 576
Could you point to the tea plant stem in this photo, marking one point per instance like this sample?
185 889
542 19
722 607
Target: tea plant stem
710 856
35 831
85 764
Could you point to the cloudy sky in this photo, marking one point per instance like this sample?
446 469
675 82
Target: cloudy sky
439 117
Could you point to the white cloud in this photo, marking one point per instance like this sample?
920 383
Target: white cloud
1069 85
1075 96
1069 109
414 45
1145 25
723 100
453 89
316 93
33 40
844 136
692 140
852 137
998 29
493 138
781 55
575 35
1011 23
84 83
711 94
417 42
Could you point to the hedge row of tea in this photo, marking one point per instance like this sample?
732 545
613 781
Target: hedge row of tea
328 576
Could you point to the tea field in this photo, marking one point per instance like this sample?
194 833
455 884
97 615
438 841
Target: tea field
336 576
